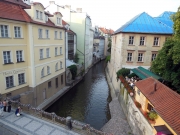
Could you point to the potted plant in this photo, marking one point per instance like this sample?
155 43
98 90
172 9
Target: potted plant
152 115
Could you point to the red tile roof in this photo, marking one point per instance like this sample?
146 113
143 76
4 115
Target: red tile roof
166 102
64 23
18 2
106 31
15 12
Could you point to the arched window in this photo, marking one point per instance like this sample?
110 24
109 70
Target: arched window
56 67
48 70
42 72
61 65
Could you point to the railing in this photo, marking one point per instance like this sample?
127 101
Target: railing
57 119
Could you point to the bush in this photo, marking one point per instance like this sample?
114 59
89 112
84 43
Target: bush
73 70
152 115
108 58
124 72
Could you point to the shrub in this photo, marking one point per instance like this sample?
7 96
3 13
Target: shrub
73 70
124 72
152 115
108 58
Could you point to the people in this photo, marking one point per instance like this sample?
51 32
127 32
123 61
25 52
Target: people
1 109
9 106
4 105
18 111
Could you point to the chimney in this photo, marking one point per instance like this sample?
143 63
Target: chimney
51 2
79 10
155 85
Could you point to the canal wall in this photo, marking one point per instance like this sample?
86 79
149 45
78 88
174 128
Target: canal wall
138 123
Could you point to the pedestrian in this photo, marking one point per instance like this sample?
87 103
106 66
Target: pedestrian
4 105
1 108
9 106
18 111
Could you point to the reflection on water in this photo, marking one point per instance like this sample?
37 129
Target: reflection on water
87 101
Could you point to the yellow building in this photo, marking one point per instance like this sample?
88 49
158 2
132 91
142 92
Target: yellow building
33 52
157 98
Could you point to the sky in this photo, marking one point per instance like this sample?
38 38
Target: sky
114 13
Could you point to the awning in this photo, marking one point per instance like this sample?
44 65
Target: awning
162 130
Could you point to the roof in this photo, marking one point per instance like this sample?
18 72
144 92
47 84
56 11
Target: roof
144 73
15 12
64 23
166 102
106 31
58 13
18 2
144 23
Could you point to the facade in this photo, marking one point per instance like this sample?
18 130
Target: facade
156 97
99 46
33 50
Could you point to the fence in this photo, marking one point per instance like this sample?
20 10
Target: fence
57 119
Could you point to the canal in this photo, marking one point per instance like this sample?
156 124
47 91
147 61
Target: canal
88 101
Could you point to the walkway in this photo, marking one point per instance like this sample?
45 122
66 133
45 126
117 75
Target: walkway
29 125
118 124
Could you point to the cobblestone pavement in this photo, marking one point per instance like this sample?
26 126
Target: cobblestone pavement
29 125
118 124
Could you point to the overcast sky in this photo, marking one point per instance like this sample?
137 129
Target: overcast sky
114 13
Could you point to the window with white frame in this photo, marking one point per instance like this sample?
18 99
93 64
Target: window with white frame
153 56
21 78
9 81
56 50
61 65
37 14
60 50
48 70
156 41
58 20
41 53
47 53
19 56
142 41
129 56
17 32
40 33
46 18
140 57
7 57
131 40
41 15
42 72
56 67
47 33
55 34
4 30
60 35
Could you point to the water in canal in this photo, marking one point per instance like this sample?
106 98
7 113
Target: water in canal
88 100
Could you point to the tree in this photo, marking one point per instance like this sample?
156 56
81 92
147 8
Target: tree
167 63
109 44
73 69
123 71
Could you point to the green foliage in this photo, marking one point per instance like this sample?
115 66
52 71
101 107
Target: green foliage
108 58
176 26
76 58
152 115
73 69
124 72
109 44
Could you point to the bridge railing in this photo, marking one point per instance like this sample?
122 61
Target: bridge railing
86 128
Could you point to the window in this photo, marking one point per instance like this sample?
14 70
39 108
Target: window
153 56
142 41
56 82
41 15
60 50
49 84
48 70
61 79
56 51
46 17
4 31
138 92
17 32
41 53
19 56
21 78
7 57
56 67
42 72
47 52
9 82
37 14
140 57
131 40
60 35
55 34
40 33
47 33
129 57
60 65
58 20
149 107
156 41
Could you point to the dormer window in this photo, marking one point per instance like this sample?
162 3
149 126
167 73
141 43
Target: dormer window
46 18
59 21
37 14
41 15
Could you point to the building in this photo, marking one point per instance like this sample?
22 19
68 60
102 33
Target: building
33 49
156 97
99 45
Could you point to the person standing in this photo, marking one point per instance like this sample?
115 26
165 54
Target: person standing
1 109
4 105
9 106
